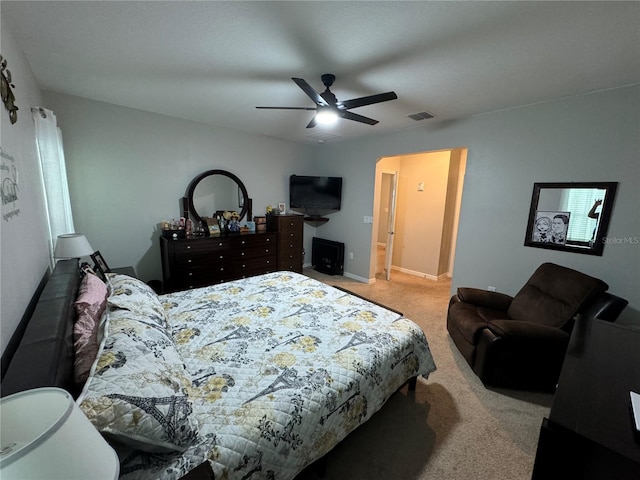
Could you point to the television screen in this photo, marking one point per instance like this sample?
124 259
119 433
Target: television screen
315 195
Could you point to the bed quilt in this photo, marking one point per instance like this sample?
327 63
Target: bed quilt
282 368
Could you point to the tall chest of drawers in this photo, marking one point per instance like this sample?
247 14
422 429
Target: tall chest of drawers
198 262
290 230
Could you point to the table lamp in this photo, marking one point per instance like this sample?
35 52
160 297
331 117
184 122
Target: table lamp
44 434
72 245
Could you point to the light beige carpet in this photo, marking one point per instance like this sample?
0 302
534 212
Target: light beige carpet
451 427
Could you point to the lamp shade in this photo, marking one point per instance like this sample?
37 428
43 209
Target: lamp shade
72 245
44 434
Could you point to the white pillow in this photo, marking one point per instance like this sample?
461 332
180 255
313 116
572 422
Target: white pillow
137 392
136 296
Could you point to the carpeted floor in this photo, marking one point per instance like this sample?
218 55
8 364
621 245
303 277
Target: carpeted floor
451 427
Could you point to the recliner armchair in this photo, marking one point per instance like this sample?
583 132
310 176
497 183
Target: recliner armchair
520 342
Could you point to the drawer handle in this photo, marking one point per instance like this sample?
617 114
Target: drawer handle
268 239
291 224
220 244
221 268
268 261
221 256
190 274
188 247
291 234
242 254
243 242
243 266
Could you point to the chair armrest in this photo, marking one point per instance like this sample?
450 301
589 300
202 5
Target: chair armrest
527 330
485 298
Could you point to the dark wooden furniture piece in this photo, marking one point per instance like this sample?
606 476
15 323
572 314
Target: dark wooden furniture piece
41 353
290 230
198 262
201 472
128 270
589 433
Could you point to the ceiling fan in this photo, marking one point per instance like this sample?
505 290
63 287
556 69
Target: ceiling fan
327 103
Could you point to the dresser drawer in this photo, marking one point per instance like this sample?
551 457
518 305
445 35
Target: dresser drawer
250 241
240 266
293 263
181 247
257 252
252 262
210 259
210 272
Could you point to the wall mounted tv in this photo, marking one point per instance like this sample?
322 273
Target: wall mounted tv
315 196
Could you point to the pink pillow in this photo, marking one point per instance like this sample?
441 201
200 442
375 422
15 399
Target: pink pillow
90 305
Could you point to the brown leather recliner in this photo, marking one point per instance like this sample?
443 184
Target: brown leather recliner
520 342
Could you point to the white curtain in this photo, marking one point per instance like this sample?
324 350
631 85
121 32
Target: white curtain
54 174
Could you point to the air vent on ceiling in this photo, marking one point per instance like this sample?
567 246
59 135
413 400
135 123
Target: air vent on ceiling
420 116
323 137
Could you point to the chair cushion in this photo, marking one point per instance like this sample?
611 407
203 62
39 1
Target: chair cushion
553 295
470 319
485 298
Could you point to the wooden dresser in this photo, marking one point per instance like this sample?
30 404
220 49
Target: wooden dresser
198 262
290 230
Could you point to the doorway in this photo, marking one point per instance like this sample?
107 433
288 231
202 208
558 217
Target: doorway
420 238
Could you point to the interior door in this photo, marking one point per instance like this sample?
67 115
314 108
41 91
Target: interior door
391 224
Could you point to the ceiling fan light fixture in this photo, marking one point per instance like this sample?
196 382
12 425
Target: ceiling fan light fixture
326 116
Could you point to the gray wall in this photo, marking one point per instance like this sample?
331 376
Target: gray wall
128 170
24 247
584 138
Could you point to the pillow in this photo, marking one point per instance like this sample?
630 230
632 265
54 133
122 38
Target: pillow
136 296
90 305
137 393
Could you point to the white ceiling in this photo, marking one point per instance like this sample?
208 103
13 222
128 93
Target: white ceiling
214 62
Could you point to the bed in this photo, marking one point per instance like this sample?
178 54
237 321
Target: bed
259 377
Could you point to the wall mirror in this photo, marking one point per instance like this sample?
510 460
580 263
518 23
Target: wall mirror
217 191
572 217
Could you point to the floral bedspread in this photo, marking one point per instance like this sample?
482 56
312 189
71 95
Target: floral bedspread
282 367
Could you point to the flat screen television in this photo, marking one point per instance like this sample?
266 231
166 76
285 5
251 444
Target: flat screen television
315 196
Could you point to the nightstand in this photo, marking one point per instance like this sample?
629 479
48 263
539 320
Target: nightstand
125 271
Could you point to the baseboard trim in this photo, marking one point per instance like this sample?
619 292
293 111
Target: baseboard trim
420 274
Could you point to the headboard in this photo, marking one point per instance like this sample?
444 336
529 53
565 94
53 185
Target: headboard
44 356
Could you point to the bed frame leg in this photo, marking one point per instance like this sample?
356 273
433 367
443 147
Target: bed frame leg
319 467
412 384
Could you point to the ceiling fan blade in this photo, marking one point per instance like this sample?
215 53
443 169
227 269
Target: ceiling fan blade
311 93
370 100
312 123
286 108
358 118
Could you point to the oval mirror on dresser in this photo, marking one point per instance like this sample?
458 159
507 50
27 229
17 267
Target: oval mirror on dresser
217 191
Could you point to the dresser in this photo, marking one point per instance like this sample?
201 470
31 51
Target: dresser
589 433
290 230
201 261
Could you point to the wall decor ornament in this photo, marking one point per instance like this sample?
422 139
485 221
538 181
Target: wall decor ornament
7 94
8 186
